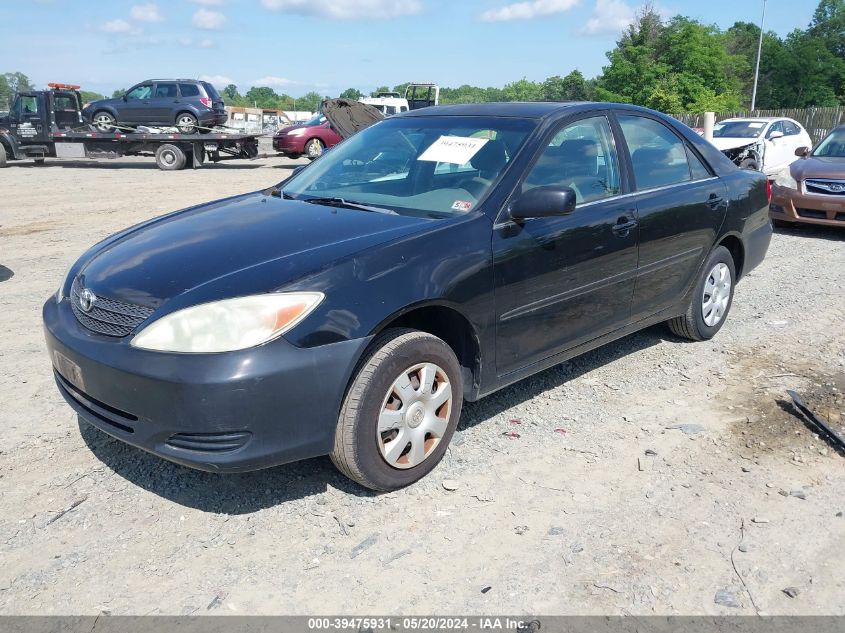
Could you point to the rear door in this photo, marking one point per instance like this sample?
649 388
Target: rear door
680 205
164 103
561 281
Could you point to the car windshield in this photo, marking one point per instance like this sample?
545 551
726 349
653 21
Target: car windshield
833 146
738 129
317 120
428 166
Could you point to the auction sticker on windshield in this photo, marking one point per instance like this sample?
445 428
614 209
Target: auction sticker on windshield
453 149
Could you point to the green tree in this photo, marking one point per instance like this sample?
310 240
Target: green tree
828 24
262 97
88 96
310 101
523 90
351 93
118 93
10 83
378 90
231 93
573 87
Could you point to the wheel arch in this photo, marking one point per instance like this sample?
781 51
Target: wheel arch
733 243
450 325
185 111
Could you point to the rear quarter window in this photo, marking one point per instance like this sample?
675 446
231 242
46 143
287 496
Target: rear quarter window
189 90
211 91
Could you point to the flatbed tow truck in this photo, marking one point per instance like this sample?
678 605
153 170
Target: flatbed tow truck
48 124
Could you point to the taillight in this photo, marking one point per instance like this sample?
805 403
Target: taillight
769 190
205 101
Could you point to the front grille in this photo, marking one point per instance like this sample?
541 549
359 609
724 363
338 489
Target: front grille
108 316
827 187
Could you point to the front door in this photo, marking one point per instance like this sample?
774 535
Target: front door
28 119
561 281
680 207
135 107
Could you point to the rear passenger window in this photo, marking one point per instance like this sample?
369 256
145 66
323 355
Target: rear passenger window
659 158
580 156
189 90
165 91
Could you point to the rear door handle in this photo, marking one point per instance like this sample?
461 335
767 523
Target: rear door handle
714 201
623 226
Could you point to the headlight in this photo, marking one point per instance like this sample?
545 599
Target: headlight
60 294
784 179
228 325
297 132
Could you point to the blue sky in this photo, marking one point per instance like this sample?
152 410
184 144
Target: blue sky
328 45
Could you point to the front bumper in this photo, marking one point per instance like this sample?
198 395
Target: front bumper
290 145
791 205
230 412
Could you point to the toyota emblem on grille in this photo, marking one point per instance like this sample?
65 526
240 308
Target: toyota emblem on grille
86 300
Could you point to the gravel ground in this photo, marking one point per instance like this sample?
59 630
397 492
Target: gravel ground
573 494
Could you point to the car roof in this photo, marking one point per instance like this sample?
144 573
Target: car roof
529 109
195 81
756 119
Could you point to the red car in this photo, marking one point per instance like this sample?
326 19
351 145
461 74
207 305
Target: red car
306 139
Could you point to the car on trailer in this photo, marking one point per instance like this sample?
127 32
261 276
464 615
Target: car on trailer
49 124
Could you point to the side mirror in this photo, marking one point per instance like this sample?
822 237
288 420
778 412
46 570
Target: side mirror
802 152
544 202
774 135
124 98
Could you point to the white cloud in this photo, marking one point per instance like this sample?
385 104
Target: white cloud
209 20
609 16
218 81
116 26
145 13
346 9
272 82
527 10
208 3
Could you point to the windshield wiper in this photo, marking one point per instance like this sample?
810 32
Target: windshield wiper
348 204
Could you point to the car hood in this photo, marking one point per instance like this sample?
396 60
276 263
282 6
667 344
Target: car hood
348 117
248 244
732 143
819 167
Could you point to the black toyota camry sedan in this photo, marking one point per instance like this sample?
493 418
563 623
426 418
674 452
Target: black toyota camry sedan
432 258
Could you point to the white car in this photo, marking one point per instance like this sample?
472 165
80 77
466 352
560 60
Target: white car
766 144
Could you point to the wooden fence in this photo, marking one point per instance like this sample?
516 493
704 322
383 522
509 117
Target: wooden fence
817 121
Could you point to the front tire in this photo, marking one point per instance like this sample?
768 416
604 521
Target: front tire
711 299
2 156
749 163
400 412
103 121
314 148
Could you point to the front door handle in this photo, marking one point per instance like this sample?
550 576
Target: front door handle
624 225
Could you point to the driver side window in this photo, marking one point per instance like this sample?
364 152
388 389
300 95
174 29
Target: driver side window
140 92
581 156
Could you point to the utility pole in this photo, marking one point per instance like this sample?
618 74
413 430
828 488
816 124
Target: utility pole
759 51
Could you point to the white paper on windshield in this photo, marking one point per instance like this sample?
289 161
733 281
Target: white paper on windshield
756 125
453 149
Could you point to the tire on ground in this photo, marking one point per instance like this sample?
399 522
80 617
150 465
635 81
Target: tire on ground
356 451
170 157
3 156
691 324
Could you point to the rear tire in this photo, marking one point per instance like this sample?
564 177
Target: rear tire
400 412
103 121
711 299
170 158
3 162
186 123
